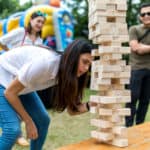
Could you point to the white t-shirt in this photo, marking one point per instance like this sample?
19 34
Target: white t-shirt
35 67
16 37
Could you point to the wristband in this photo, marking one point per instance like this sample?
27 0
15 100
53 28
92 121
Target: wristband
87 106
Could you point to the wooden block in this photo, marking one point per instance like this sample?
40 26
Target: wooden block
103 81
98 6
94 86
121 19
102 136
117 87
106 74
110 99
111 56
124 111
110 87
107 13
100 81
115 106
120 130
118 120
126 68
123 76
101 123
115 2
113 49
118 93
120 142
94 98
123 99
110 68
120 81
109 62
109 1
113 70
103 28
107 100
111 7
93 110
105 112
95 20
110 50
103 87
124 81
109 38
121 7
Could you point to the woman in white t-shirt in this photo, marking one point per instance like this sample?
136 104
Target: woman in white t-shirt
29 68
25 36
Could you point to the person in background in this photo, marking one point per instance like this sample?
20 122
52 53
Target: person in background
27 69
31 35
140 64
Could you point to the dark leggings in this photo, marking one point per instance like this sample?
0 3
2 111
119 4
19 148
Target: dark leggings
140 94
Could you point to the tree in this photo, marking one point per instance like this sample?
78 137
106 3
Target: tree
80 13
8 7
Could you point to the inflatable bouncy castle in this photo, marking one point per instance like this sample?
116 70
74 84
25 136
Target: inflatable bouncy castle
58 29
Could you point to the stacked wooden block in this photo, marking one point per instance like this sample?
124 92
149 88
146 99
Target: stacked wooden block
109 73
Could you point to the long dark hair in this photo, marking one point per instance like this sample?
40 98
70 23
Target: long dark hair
29 27
70 87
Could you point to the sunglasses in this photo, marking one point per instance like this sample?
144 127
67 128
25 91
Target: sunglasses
144 14
39 13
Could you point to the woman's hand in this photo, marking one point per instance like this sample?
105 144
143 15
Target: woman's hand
31 130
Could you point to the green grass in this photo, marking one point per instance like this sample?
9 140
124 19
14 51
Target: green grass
65 129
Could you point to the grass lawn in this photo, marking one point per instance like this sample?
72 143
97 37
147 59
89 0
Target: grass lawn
65 129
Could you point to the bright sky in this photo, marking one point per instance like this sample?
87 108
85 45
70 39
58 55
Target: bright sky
24 1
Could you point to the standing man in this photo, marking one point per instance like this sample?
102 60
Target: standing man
140 64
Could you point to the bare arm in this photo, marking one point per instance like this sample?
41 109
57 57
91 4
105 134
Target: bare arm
11 93
139 48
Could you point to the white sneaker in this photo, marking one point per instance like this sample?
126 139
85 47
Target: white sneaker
22 141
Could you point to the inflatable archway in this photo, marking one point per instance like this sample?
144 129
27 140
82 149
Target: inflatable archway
59 24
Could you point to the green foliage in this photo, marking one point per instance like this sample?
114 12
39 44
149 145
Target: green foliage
8 7
25 6
133 11
80 12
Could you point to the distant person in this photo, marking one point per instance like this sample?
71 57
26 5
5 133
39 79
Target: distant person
140 63
31 35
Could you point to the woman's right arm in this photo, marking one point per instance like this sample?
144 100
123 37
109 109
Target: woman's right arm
11 94
4 47
11 38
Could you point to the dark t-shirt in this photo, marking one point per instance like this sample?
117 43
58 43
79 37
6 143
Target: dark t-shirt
139 61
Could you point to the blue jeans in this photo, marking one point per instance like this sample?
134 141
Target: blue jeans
10 121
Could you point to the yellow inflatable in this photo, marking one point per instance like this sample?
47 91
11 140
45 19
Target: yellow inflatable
1 29
55 25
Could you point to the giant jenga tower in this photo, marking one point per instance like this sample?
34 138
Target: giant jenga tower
109 73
